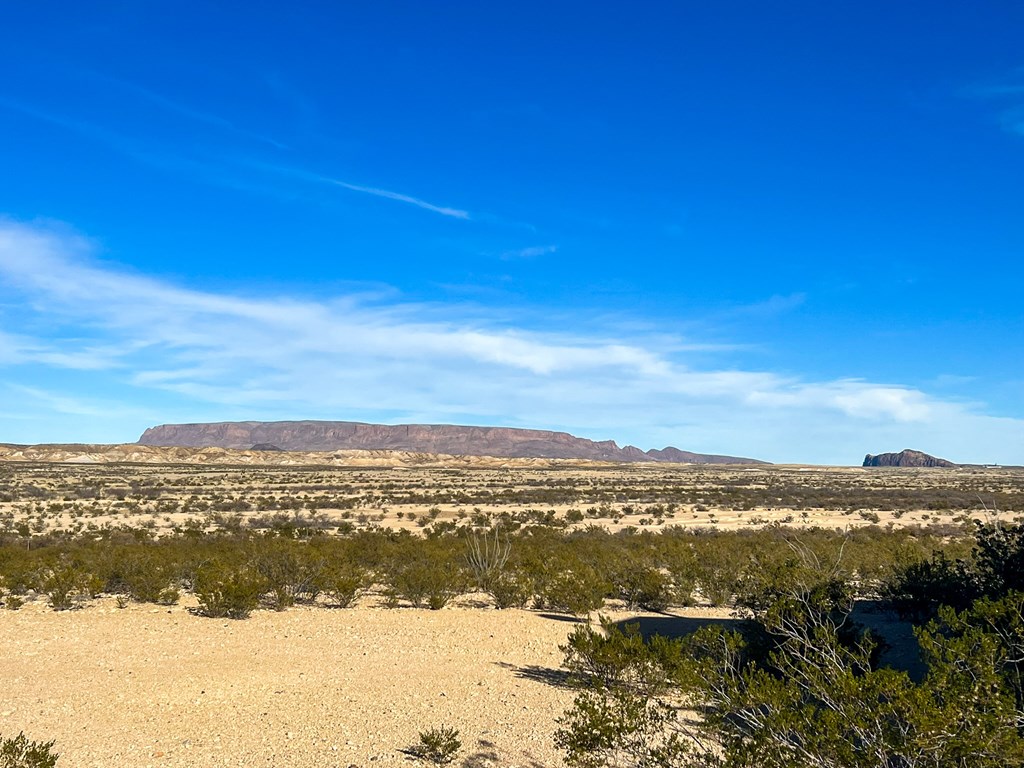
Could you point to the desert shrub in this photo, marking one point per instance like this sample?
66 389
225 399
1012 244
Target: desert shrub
565 572
424 572
615 728
577 591
425 582
344 582
149 578
708 562
993 626
64 585
19 752
999 558
228 590
510 589
680 561
619 716
438 745
291 572
618 655
378 550
813 701
642 586
10 601
716 584
795 575
18 570
917 590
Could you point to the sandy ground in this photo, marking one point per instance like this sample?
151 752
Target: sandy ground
141 686
145 686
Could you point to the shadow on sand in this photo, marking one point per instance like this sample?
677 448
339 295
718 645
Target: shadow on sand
486 756
567 618
556 678
901 651
900 648
673 627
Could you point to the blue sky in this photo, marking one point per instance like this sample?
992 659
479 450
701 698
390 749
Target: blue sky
792 232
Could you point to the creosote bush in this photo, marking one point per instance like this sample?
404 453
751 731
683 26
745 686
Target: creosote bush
425 583
344 582
64 585
226 591
643 586
20 752
291 573
578 590
146 578
438 745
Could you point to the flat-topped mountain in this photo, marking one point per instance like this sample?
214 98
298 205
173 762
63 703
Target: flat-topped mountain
505 442
905 458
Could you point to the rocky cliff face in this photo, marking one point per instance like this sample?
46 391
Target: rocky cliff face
504 442
905 458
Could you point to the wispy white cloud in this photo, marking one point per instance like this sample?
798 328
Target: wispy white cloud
12 349
1012 121
58 403
455 213
529 253
198 115
999 91
377 357
1008 94
773 305
217 172
81 127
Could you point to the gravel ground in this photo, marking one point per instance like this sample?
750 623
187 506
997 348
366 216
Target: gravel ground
141 686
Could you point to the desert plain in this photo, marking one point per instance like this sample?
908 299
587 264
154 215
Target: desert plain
118 683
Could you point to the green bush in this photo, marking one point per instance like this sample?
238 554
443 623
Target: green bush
425 582
438 745
422 572
291 572
148 578
578 591
344 582
19 752
510 589
917 591
616 656
999 558
64 585
643 586
228 591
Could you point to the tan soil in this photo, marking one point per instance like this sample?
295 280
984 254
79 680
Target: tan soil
144 686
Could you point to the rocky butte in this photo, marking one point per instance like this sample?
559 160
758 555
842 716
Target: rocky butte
905 458
504 442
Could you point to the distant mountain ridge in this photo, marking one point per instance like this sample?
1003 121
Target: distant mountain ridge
502 442
906 458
